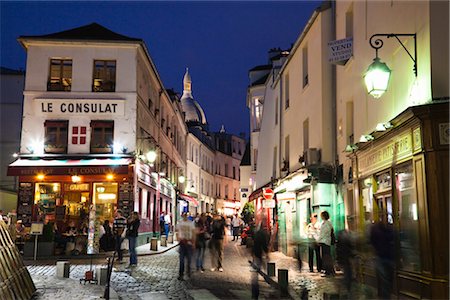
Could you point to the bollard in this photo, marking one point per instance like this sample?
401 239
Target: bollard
283 281
271 269
154 244
102 275
62 269
170 238
163 241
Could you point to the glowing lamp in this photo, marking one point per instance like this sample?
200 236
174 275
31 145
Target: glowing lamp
377 78
151 156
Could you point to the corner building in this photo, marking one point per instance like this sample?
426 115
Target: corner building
94 106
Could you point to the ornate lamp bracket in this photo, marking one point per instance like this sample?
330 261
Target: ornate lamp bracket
376 43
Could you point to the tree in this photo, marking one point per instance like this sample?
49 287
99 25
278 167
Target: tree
248 212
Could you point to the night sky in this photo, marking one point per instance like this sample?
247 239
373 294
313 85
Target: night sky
218 41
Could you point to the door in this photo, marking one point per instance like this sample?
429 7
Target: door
385 213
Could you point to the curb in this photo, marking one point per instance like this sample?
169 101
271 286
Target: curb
290 291
159 252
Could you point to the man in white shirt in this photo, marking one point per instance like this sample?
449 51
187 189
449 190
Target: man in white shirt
236 223
186 238
313 230
167 222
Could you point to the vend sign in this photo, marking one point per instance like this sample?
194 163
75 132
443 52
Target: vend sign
268 201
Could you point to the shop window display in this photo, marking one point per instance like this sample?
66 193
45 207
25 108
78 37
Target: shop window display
409 219
45 197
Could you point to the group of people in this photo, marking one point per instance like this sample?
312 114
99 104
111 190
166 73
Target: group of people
205 231
320 239
124 228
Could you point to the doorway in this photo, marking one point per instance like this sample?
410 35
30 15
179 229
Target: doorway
385 213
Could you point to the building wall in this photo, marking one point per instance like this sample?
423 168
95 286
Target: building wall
270 132
10 127
82 67
311 103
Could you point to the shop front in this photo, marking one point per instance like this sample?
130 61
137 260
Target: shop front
402 181
73 198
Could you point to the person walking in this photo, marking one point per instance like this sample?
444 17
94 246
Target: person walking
119 225
202 236
259 250
382 238
167 222
161 223
313 230
216 242
132 234
236 223
324 241
186 238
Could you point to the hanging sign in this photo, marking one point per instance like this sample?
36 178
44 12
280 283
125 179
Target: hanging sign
268 203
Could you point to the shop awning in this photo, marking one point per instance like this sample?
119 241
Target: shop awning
188 199
95 166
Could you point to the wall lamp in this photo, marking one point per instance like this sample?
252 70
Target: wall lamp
378 73
366 138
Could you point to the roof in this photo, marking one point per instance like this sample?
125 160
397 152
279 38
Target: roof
262 80
261 67
92 31
8 71
246 158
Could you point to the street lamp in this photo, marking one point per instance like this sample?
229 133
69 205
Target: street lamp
378 73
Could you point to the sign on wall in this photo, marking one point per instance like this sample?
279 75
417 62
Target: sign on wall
77 107
340 51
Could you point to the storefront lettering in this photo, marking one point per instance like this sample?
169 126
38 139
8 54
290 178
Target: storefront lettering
87 171
394 151
81 106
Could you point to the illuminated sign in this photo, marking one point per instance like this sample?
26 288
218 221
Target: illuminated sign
79 107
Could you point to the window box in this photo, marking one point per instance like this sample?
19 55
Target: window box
55 149
101 148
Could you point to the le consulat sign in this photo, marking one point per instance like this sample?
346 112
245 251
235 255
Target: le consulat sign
79 107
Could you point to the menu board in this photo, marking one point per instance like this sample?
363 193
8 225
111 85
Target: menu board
25 203
125 202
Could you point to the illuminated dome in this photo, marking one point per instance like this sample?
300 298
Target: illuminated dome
193 111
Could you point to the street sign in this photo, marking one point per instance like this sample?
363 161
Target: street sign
268 193
268 203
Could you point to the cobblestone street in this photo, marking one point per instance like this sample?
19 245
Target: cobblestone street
155 277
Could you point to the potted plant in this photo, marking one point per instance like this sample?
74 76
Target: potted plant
46 244
101 148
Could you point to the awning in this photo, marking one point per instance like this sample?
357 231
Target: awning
188 199
95 166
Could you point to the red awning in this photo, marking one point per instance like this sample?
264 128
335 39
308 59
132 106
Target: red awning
257 193
188 199
94 166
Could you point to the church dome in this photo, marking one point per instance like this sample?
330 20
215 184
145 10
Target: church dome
193 111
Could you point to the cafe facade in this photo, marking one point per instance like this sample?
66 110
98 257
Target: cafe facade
94 108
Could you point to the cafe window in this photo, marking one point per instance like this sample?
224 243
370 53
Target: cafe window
104 76
56 136
102 133
45 197
409 218
105 200
60 75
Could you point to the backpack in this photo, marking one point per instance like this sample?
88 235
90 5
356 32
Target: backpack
333 237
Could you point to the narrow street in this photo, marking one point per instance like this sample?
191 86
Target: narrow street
155 277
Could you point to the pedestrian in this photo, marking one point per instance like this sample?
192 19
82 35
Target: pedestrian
167 222
186 238
324 241
216 242
260 249
119 226
202 237
236 222
344 256
382 240
106 237
313 230
132 234
161 223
